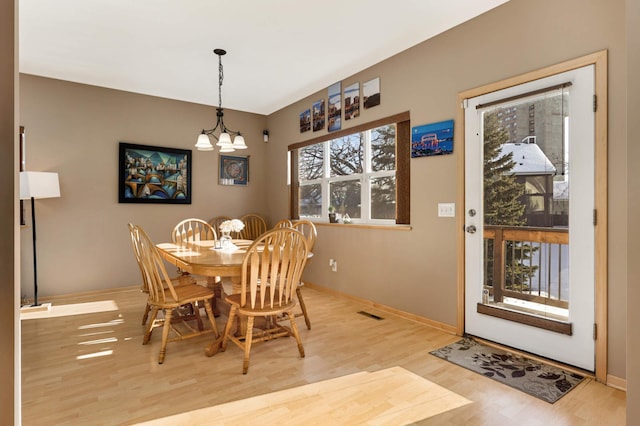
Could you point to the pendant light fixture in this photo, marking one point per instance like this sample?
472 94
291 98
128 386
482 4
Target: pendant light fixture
224 137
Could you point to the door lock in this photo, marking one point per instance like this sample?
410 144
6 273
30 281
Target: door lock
471 229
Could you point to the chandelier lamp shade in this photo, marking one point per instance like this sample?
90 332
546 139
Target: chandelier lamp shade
223 138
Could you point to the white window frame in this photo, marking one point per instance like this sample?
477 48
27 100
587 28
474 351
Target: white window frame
364 178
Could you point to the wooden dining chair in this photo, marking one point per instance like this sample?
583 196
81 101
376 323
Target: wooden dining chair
254 226
190 230
144 287
308 229
284 223
271 269
193 230
216 221
165 297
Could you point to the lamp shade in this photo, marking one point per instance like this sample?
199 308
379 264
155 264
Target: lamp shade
39 185
204 144
224 139
238 142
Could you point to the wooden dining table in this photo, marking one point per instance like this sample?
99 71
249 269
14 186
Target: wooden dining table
202 258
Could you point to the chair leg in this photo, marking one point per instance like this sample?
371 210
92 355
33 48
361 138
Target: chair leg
229 326
296 334
145 316
165 334
247 344
303 307
152 320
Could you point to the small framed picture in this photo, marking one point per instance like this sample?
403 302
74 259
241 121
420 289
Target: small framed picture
371 93
318 115
335 107
234 170
352 101
305 120
151 174
432 139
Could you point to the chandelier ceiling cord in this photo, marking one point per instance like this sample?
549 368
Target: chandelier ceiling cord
224 138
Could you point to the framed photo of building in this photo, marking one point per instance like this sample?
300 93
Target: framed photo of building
152 174
352 101
432 139
371 93
305 120
318 115
335 107
234 170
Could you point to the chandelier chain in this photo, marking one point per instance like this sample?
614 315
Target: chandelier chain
220 78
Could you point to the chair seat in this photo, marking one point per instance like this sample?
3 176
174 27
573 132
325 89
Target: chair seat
187 293
234 299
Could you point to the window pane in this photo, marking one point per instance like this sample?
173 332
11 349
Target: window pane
311 162
383 148
311 200
347 155
383 198
345 197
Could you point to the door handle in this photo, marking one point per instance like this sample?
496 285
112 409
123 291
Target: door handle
471 229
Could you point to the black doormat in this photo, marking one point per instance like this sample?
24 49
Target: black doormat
530 376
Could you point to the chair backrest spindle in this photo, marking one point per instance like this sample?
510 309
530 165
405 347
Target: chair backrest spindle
192 230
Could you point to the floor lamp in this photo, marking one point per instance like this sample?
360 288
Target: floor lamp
36 185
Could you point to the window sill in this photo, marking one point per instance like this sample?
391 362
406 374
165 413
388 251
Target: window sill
366 226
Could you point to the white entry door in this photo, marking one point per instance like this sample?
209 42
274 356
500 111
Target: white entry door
529 217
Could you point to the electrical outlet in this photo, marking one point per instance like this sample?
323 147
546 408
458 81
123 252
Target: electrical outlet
334 265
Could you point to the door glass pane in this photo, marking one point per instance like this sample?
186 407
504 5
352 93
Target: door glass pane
526 190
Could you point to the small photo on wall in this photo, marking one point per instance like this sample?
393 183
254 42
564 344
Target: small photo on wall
432 139
234 170
335 107
352 101
371 93
318 115
305 120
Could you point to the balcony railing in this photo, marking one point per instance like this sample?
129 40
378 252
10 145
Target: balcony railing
528 264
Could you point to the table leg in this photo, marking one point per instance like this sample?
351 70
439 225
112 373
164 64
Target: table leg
216 284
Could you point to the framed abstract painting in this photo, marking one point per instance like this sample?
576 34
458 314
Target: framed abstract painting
151 174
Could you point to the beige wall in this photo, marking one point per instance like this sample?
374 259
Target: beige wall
74 129
416 271
633 153
10 329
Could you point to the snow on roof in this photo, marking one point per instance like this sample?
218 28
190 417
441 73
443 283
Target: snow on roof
529 158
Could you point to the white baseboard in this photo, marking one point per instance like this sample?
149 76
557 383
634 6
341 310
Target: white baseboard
31 308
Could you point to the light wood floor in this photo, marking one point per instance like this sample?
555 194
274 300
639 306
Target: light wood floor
92 369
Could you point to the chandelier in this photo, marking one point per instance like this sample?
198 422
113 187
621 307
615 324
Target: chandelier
224 137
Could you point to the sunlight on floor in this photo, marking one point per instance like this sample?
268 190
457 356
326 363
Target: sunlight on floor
390 396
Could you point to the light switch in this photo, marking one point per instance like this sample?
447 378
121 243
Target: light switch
446 210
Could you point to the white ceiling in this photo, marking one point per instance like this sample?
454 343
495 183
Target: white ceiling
278 51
